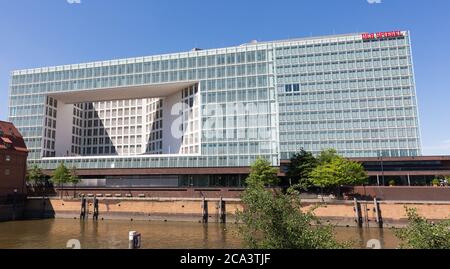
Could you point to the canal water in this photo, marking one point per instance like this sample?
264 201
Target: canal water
112 234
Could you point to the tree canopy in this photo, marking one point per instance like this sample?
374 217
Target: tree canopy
74 178
327 156
328 169
35 176
261 172
301 164
61 175
339 171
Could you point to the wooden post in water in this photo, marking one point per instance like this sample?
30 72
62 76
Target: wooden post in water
204 210
358 215
96 213
222 211
14 205
43 207
378 216
83 208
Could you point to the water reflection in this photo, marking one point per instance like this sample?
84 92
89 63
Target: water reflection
54 234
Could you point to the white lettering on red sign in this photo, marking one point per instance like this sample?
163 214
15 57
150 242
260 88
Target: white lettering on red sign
382 35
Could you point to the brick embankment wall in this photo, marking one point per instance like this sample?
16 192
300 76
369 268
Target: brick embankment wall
340 213
170 209
393 213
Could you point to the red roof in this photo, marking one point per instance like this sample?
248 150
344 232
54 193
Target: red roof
11 137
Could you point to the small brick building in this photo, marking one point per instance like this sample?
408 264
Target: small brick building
13 161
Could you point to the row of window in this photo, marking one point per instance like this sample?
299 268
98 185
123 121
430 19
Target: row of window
358 71
307 124
235 82
368 55
383 104
340 46
356 153
155 66
350 145
349 134
346 80
337 94
176 161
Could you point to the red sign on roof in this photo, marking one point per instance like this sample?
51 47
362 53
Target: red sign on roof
382 35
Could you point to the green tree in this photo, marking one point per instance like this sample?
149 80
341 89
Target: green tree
338 172
327 156
61 176
421 234
262 171
35 176
74 179
273 220
301 164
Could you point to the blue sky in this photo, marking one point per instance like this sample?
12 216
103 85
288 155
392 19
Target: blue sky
55 32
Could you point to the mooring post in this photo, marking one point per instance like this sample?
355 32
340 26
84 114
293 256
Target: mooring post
43 206
358 215
14 205
95 216
134 240
379 217
204 210
222 211
83 208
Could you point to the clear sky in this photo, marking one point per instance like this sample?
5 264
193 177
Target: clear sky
56 32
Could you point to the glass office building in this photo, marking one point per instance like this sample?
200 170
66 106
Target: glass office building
223 107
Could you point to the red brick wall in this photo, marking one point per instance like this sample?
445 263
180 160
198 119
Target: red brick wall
400 193
17 171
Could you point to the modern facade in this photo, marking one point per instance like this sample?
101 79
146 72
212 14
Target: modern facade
222 108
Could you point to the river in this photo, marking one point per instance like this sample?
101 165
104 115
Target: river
113 234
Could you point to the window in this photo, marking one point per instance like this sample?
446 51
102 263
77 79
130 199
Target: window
8 158
7 172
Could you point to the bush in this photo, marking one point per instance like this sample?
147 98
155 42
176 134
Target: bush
435 182
273 220
421 234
